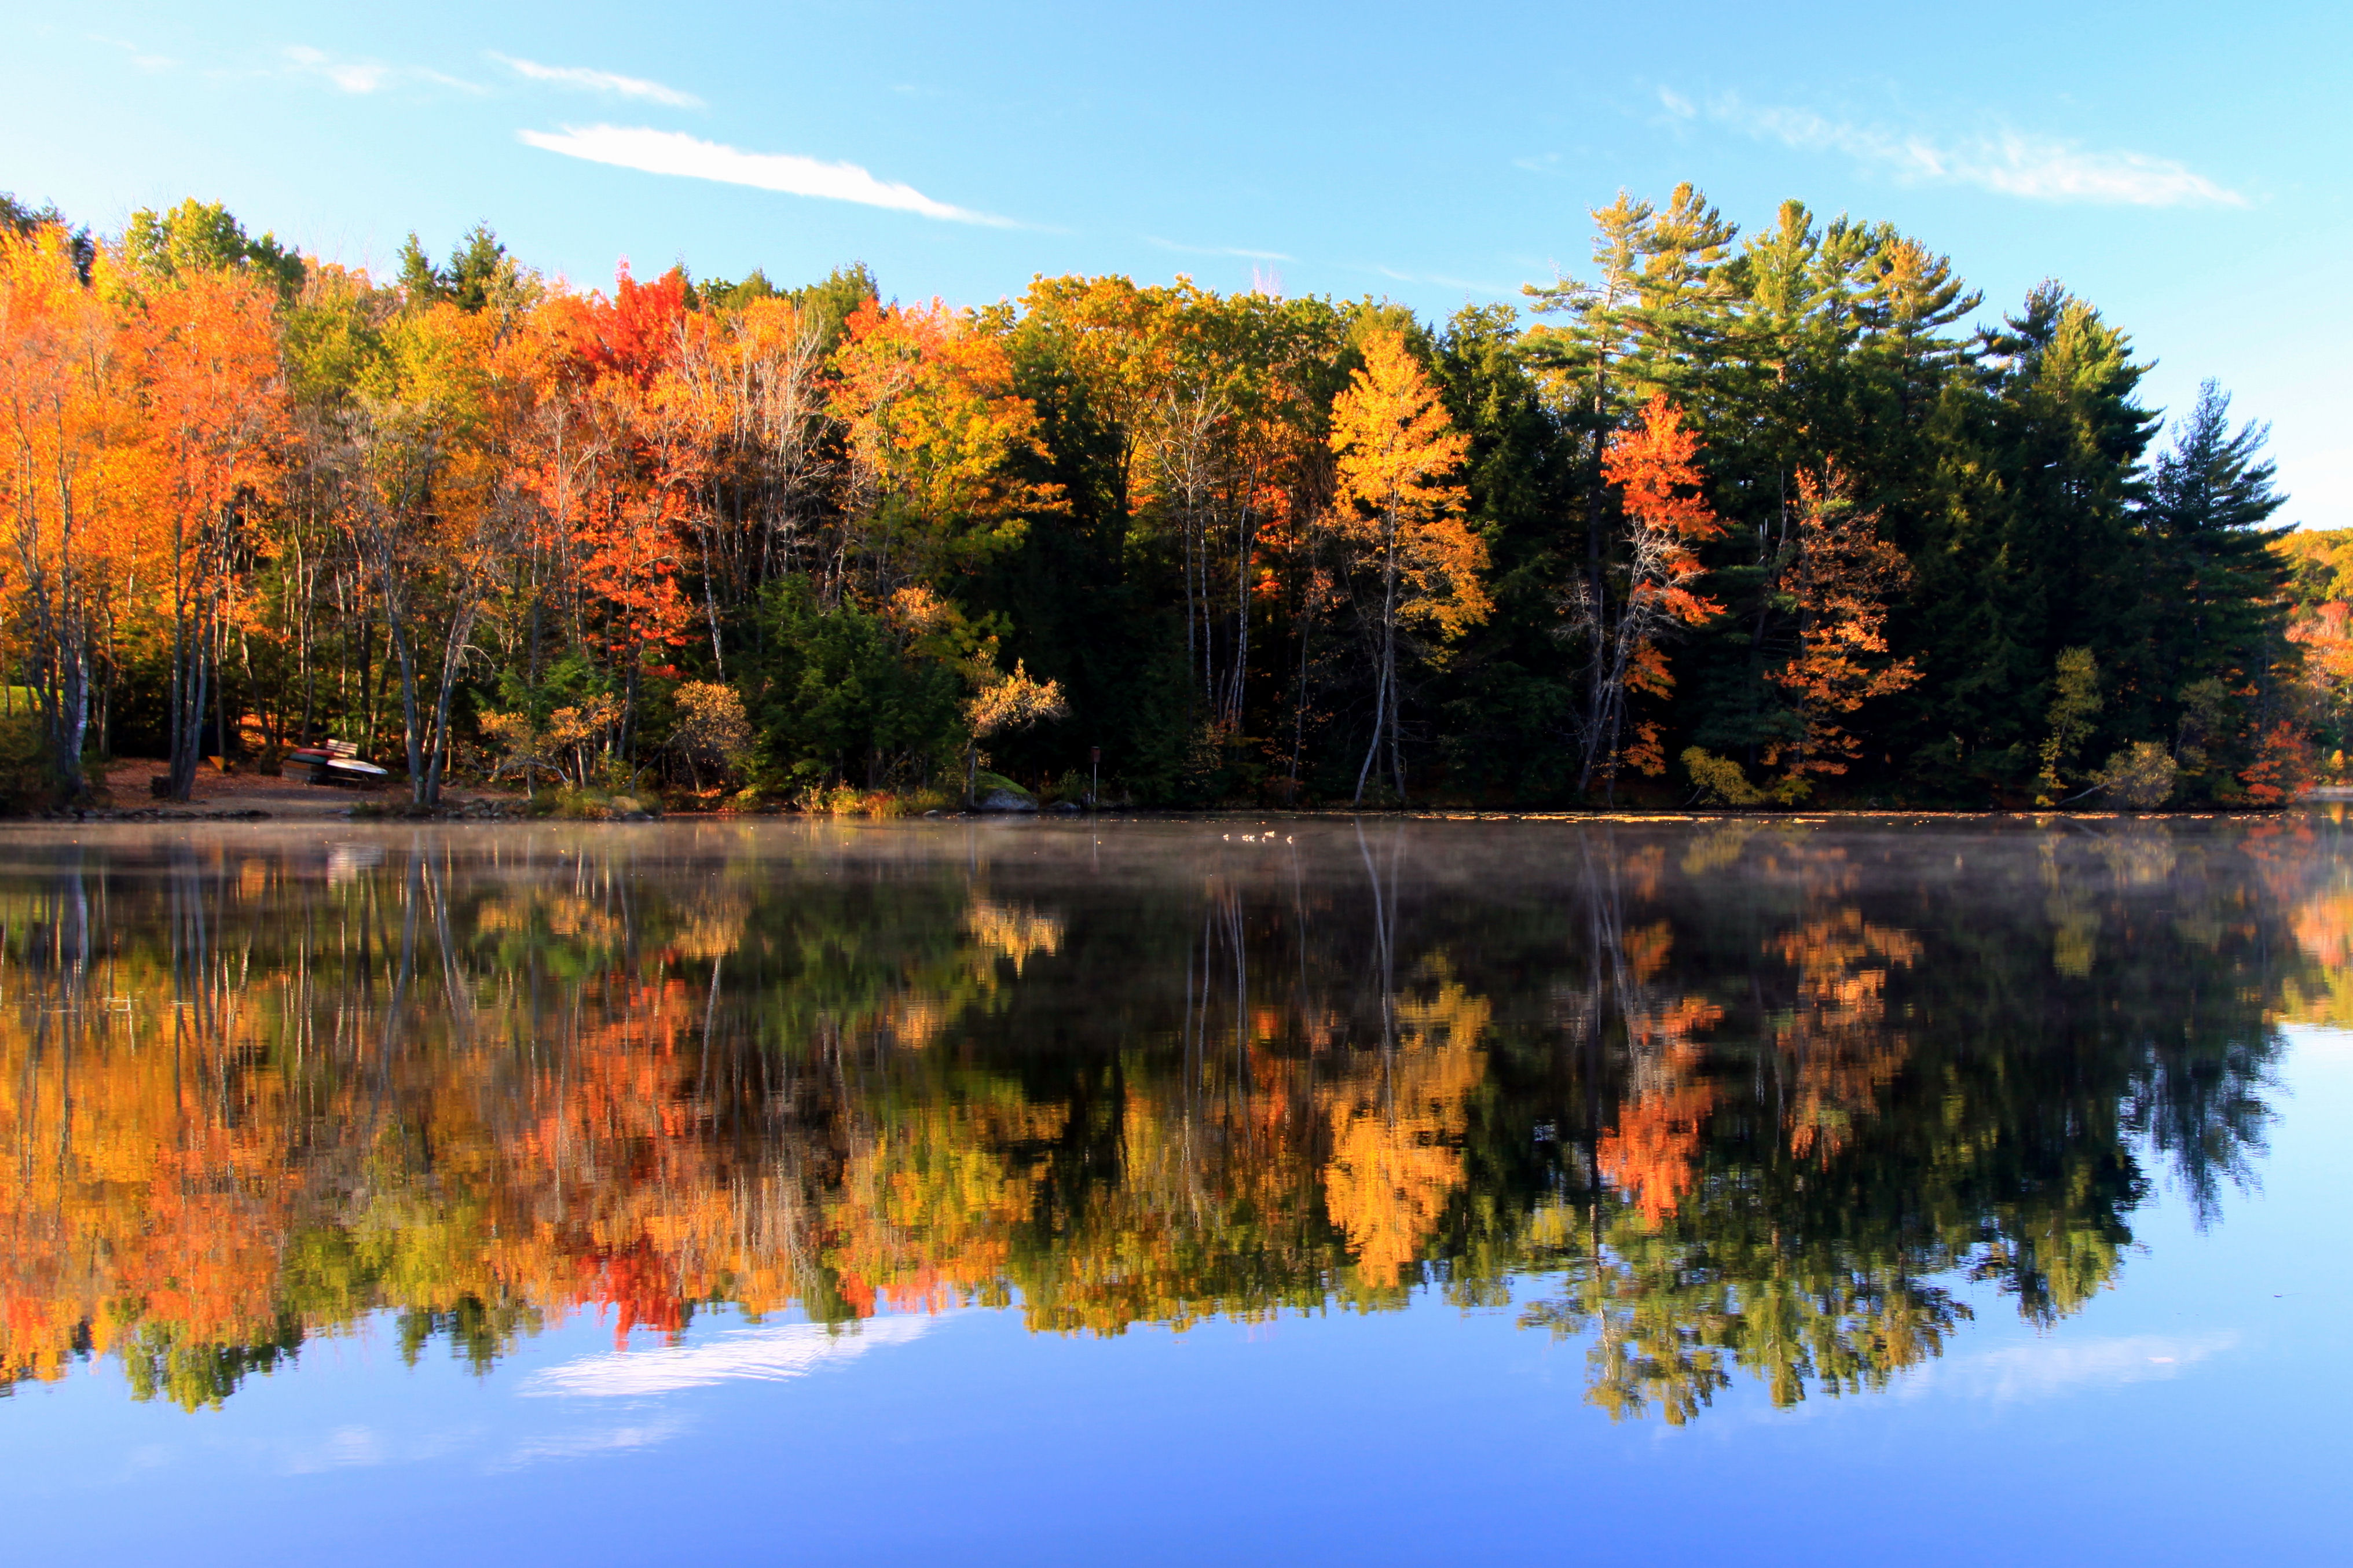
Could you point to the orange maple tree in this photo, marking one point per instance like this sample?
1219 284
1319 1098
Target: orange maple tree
217 417
78 470
1839 578
1653 465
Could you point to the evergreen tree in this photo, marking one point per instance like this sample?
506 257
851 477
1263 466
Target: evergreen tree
2036 548
420 281
1522 481
2214 570
202 236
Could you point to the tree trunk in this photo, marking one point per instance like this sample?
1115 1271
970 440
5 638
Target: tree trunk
220 689
187 704
1299 698
1389 656
1380 704
1595 586
1384 698
187 713
77 723
459 631
419 781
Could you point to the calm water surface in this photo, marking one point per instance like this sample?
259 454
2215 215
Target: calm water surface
1226 1192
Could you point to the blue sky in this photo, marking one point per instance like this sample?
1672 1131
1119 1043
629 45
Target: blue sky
2183 167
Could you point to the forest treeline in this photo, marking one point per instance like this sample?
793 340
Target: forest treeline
1754 1103
1751 519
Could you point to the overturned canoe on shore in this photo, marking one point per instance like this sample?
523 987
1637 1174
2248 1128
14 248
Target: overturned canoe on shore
337 767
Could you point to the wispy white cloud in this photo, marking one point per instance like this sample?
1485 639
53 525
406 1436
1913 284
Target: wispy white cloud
351 76
1219 250
589 80
2008 161
675 153
141 56
765 1356
1440 281
367 76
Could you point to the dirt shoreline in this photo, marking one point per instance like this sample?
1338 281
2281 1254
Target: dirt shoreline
243 795
250 796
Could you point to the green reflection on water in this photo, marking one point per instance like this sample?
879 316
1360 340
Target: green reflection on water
1761 1097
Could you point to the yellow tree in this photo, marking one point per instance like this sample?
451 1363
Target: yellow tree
935 425
439 504
1401 521
1001 703
1118 341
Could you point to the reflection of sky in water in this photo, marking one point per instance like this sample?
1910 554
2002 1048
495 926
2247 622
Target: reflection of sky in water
2183 1413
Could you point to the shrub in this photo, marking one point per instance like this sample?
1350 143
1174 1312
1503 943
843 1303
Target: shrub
601 805
26 782
711 736
2141 776
1721 781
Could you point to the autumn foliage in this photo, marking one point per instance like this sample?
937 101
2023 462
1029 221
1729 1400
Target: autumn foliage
1400 517
1264 549
1667 518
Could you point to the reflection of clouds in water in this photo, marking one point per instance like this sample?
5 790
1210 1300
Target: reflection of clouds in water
2045 1367
346 1448
761 1354
766 1356
588 1444
361 1447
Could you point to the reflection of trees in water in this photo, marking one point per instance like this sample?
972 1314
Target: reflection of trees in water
1760 1097
1917 1089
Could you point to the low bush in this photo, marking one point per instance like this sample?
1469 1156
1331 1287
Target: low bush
598 805
26 783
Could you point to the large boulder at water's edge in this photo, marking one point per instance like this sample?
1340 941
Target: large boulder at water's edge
1006 800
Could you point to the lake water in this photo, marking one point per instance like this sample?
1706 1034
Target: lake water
1104 1192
